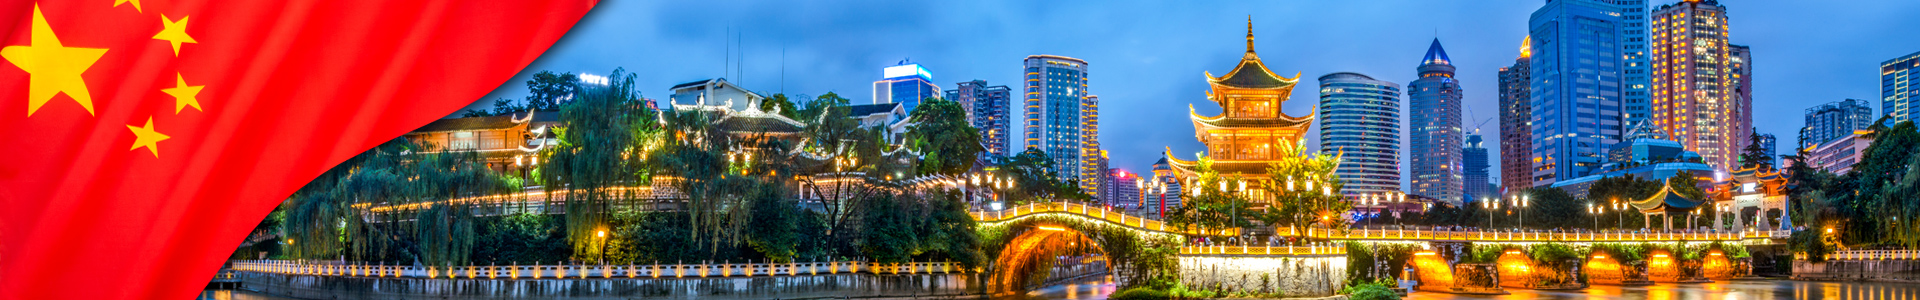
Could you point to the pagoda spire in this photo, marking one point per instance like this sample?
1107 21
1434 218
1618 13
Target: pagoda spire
1249 33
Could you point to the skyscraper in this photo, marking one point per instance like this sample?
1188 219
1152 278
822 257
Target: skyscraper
1473 158
1360 118
1123 189
986 108
1694 86
1768 144
1834 120
1899 86
1055 120
1574 87
1516 137
1095 165
906 83
1167 197
1633 45
1740 62
1435 147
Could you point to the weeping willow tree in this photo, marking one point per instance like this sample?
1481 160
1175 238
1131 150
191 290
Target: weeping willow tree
327 218
604 140
1306 191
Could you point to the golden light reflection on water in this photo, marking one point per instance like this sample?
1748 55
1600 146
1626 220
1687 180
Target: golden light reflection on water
1739 289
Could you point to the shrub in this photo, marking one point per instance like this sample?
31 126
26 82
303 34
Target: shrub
1139 293
1369 291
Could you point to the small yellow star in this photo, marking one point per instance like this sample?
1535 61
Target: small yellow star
174 32
54 68
136 4
145 136
183 94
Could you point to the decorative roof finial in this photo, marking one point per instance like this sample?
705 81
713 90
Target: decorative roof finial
1249 33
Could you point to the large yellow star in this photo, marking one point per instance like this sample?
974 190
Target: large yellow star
136 4
174 33
183 94
53 68
145 136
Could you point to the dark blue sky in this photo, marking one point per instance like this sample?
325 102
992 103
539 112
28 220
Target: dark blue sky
1146 58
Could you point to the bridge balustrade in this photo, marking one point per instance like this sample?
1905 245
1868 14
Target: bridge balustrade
1535 236
346 269
1263 250
1095 212
1868 255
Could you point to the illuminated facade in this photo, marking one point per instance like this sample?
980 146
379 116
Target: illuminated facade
1694 90
1516 136
1574 87
906 84
1055 116
1435 137
1633 46
1123 189
1093 168
1251 131
1360 118
1899 87
986 108
1834 120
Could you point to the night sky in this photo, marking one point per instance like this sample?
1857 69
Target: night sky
1146 58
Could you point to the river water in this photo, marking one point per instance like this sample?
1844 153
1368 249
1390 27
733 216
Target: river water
1099 288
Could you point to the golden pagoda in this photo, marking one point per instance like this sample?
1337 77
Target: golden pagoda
1251 132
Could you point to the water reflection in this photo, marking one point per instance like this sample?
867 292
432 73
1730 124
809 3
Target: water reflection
1100 288
235 295
1092 288
1759 290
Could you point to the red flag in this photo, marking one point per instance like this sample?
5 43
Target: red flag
146 138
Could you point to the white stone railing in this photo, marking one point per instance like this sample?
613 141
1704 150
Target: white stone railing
1869 255
332 268
1263 250
1536 236
1094 212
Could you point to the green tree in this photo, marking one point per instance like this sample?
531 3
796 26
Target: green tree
546 91
781 104
1306 190
775 224
1754 155
603 142
1211 201
1554 208
942 134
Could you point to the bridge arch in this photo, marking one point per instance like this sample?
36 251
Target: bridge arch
1022 248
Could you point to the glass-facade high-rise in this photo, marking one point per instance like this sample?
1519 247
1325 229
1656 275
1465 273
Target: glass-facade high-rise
1473 158
1899 87
1516 136
1834 120
906 84
1633 46
1434 148
1055 119
1360 119
1695 87
986 108
1575 87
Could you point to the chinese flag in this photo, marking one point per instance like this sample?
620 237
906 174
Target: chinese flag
144 139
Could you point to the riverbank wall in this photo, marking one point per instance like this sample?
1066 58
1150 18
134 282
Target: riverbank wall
824 286
1291 276
1904 270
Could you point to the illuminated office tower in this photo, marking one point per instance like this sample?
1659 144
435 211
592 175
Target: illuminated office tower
1574 87
1055 119
1899 87
1434 147
1695 94
1635 100
907 84
1516 137
986 108
1834 120
1360 120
